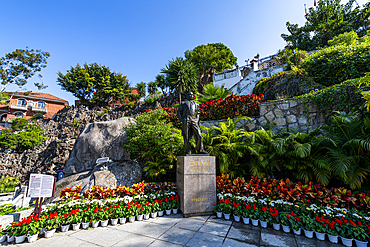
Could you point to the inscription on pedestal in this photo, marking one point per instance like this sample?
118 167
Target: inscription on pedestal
196 184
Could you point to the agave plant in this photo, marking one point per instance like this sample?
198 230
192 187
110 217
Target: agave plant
349 155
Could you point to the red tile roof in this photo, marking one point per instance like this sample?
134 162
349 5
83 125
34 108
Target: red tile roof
40 95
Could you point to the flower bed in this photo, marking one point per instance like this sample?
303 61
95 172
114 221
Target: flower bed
293 192
348 224
97 205
230 107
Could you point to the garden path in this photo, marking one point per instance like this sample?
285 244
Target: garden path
171 231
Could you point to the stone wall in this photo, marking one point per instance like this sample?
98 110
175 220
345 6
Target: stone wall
281 113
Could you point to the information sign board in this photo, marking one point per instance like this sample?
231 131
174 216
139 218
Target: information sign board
41 185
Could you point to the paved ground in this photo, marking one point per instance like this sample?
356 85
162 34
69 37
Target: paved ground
174 231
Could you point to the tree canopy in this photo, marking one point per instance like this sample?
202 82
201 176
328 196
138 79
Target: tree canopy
181 75
329 19
95 84
20 65
210 57
141 88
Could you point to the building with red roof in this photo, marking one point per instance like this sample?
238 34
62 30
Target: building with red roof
26 105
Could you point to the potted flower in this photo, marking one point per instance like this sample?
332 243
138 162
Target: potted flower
50 222
114 214
264 216
308 226
274 218
2 235
361 234
168 205
296 225
32 226
254 214
86 214
139 212
96 216
105 216
65 221
286 220
147 209
218 209
162 207
332 231
176 204
320 227
227 208
76 218
237 211
346 230
17 231
131 212
155 209
121 213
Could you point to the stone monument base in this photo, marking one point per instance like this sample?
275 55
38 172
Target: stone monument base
196 184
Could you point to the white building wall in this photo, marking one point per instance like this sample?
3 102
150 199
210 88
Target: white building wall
246 85
229 78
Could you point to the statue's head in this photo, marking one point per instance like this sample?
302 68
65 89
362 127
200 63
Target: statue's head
190 96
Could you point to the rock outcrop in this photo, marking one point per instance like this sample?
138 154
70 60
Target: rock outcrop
97 140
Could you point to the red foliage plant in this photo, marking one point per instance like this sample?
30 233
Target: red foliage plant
293 192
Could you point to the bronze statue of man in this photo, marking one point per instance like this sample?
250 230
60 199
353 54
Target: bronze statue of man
188 113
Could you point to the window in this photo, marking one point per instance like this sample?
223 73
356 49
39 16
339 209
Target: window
3 118
18 114
41 105
21 102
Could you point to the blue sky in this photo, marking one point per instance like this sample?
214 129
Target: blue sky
138 38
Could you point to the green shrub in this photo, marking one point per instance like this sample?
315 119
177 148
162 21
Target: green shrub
152 98
8 184
285 84
336 64
75 123
340 97
21 136
154 141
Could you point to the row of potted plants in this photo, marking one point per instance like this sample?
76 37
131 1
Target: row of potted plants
83 213
347 224
100 192
293 192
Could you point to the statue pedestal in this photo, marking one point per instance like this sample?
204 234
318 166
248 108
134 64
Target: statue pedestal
196 184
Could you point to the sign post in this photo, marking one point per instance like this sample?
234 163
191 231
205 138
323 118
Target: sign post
40 186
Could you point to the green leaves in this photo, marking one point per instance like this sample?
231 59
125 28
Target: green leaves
155 142
329 19
20 65
181 75
94 84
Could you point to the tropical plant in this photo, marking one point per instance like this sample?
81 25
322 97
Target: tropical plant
224 142
141 88
212 91
181 75
152 87
349 155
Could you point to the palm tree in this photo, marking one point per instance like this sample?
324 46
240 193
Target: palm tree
181 75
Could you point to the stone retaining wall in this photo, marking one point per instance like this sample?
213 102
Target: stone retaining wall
283 114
